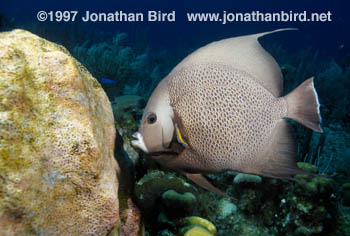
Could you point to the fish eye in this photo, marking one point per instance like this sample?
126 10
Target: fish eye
152 118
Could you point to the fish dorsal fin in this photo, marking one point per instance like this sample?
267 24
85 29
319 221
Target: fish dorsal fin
245 53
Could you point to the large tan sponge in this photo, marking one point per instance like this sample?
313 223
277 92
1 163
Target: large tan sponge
57 167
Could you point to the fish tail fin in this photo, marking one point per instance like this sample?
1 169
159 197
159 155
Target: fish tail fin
303 105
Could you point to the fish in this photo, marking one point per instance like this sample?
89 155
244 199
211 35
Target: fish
221 108
106 80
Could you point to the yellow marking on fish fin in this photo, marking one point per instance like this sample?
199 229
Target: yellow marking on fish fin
179 137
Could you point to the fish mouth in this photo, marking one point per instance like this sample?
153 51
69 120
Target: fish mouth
139 143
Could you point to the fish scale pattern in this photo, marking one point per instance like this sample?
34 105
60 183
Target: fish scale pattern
227 116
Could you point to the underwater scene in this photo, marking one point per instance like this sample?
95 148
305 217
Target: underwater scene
174 118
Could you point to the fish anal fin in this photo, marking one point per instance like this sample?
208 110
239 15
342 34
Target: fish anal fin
204 183
279 158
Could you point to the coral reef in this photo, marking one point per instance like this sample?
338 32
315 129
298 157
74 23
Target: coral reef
316 186
109 60
135 73
307 167
57 166
128 110
226 208
246 178
195 230
195 220
154 195
191 226
176 204
275 208
150 188
130 216
328 150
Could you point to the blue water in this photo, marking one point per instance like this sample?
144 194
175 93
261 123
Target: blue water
327 37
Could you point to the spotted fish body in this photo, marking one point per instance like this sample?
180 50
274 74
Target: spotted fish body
226 115
224 105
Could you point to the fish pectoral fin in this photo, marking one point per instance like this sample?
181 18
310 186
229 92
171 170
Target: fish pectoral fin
204 183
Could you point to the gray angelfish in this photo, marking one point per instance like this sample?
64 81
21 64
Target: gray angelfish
223 103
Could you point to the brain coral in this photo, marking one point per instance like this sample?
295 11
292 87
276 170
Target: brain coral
57 167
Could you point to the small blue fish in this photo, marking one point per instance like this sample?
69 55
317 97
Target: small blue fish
106 81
